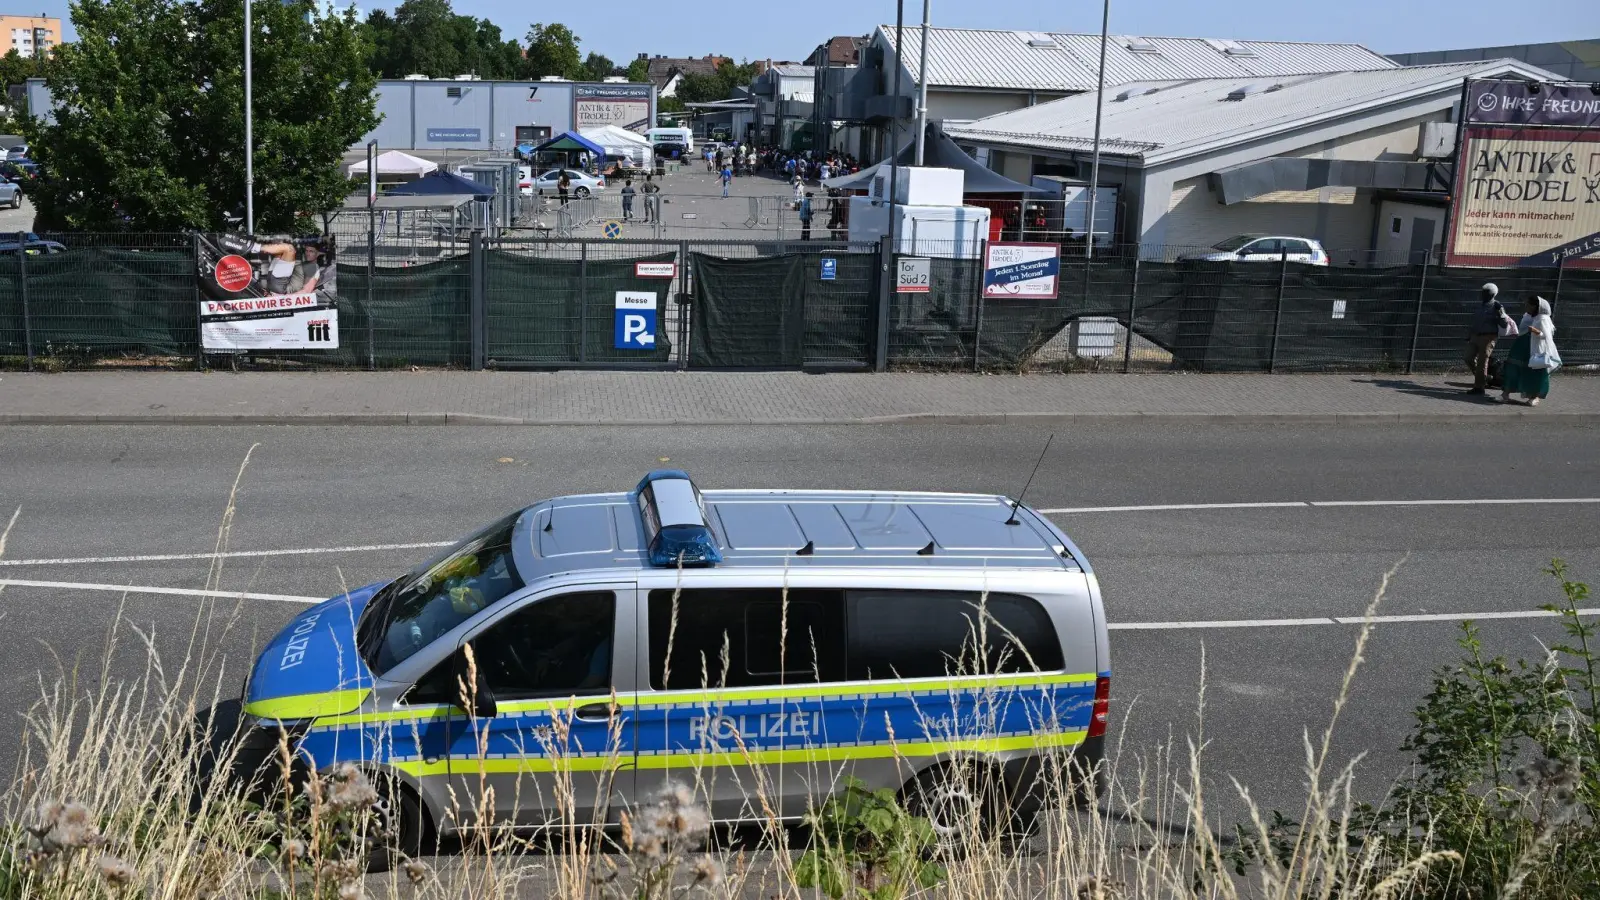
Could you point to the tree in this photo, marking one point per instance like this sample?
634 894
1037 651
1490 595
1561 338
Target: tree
16 69
639 71
149 115
699 88
598 67
553 50
427 37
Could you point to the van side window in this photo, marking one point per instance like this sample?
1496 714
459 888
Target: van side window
557 647
932 634
768 639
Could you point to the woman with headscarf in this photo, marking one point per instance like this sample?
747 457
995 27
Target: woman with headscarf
1533 356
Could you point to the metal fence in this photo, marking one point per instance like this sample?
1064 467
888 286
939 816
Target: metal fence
528 299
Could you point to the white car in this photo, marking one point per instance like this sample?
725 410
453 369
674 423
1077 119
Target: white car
1263 248
20 151
583 184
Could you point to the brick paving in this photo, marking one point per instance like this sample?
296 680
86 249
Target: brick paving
715 398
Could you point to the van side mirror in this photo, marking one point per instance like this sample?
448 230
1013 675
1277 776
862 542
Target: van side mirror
480 700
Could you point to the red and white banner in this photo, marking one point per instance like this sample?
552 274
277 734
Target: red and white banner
267 293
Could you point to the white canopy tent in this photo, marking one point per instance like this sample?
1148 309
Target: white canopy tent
621 143
394 162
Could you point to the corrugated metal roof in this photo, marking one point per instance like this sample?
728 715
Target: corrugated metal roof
1052 61
787 71
1184 116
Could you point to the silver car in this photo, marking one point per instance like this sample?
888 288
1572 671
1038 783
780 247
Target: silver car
10 194
946 646
1263 248
583 184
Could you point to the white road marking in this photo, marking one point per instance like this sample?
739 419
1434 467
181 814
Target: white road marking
231 554
148 589
1114 626
1345 620
1309 504
1161 507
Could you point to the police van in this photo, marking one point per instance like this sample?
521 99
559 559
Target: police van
587 650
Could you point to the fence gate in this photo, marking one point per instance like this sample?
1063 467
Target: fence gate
601 304
786 306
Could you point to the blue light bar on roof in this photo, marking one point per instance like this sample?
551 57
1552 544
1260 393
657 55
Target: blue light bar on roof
674 517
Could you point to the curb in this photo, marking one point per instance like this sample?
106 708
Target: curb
990 419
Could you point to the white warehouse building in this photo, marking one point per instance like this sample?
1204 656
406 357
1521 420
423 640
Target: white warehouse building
1358 160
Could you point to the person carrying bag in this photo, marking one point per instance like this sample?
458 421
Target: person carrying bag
1533 356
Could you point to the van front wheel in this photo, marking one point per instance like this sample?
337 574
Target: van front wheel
398 828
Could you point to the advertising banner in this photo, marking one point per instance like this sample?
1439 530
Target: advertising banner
1526 197
623 105
267 293
1531 103
1013 269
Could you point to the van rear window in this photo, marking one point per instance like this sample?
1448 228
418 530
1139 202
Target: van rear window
929 634
746 637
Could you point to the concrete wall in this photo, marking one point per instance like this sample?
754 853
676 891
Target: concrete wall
1341 218
1178 207
1397 226
972 104
483 116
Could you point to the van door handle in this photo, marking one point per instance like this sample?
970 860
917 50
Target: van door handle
598 712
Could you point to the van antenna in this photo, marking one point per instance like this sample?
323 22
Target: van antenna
1017 503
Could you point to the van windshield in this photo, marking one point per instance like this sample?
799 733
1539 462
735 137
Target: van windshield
417 608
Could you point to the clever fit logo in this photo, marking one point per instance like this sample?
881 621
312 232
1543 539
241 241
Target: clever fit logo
318 330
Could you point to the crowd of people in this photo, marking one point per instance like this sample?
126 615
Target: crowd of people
729 161
744 160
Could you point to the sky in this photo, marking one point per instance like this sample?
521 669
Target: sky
622 29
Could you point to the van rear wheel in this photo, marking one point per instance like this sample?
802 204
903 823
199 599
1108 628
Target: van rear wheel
961 801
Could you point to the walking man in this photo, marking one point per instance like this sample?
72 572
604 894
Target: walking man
727 178
652 203
563 184
805 217
627 200
1480 338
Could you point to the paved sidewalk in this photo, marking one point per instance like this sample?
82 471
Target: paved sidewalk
716 398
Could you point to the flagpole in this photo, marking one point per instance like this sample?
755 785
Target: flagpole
1099 106
249 134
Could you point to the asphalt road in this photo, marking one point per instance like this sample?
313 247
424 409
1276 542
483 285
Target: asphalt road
134 491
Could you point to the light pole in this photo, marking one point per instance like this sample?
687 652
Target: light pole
922 85
1094 167
249 135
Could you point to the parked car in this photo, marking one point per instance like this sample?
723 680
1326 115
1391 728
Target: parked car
33 246
20 151
1263 248
10 195
583 184
18 174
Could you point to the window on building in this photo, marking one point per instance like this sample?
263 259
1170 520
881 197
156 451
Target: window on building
930 634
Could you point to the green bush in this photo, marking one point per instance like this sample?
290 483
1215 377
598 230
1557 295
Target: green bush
865 845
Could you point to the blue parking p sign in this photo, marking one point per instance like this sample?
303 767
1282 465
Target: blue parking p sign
830 269
636 320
